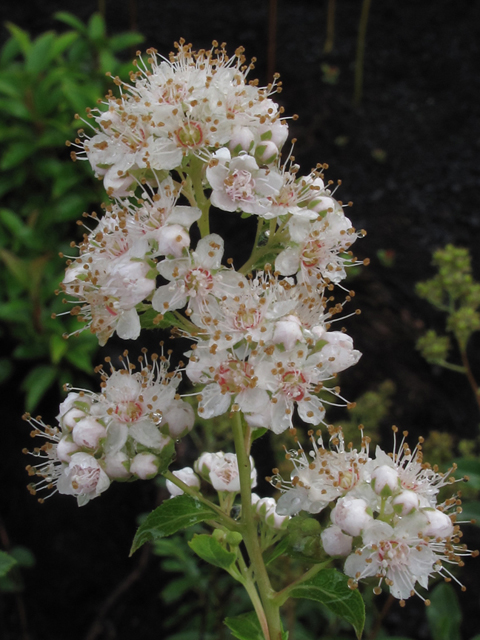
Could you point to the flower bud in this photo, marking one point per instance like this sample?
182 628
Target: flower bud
179 419
71 417
65 449
117 465
405 502
88 432
145 466
242 140
385 479
186 475
335 542
266 152
203 465
439 524
350 515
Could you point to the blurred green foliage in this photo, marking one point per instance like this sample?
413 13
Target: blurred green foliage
43 83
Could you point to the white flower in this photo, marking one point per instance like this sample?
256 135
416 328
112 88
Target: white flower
224 474
240 184
84 478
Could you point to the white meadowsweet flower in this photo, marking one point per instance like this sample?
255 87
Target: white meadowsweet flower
195 278
83 478
223 471
240 184
179 108
318 249
109 278
323 475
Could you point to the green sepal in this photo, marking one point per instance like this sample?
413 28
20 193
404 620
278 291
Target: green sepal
171 516
210 550
258 433
330 587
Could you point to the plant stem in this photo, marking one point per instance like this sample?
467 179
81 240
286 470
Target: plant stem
329 40
359 60
250 534
203 203
469 374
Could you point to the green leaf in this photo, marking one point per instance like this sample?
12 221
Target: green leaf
15 108
15 154
63 42
444 614
470 468
96 28
37 383
210 550
6 563
330 587
40 55
23 556
20 36
278 550
71 20
171 516
124 40
258 433
247 627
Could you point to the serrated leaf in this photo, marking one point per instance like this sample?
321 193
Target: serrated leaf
444 614
6 563
210 550
330 587
247 627
171 516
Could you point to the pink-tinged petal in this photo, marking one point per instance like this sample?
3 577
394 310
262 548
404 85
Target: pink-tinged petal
222 201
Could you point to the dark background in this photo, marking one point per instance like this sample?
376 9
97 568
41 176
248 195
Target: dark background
408 158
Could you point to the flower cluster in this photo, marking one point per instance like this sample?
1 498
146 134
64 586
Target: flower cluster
119 434
386 519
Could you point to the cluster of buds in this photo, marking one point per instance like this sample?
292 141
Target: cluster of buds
118 434
386 520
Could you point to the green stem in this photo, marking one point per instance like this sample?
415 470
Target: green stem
452 367
250 534
469 374
227 522
203 203
359 60
253 594
328 46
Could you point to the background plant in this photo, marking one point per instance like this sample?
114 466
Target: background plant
43 81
